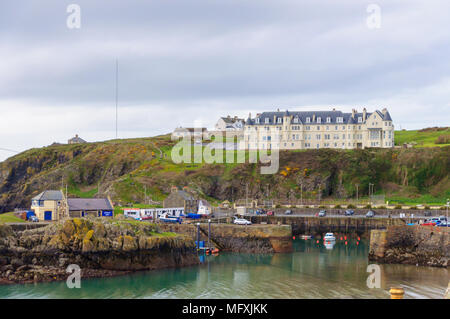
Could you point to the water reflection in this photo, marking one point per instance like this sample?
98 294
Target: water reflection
312 271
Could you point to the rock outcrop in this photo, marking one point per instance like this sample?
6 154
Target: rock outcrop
415 245
100 247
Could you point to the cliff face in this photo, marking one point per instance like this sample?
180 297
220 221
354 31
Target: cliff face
125 169
98 247
415 245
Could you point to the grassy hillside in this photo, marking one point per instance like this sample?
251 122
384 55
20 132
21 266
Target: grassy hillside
10 218
430 137
128 170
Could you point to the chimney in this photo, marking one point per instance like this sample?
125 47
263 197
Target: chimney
354 113
384 111
235 117
364 114
278 110
249 115
314 118
76 135
228 116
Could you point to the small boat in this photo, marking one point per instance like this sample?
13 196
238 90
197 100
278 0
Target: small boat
306 237
329 237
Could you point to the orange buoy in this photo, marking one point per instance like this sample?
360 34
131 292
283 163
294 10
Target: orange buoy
345 237
346 243
341 238
357 243
293 237
317 241
359 238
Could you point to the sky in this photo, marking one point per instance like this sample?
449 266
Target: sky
188 62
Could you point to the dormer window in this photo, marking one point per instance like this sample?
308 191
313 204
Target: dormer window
340 120
328 119
280 120
359 119
257 120
266 120
295 119
319 120
308 120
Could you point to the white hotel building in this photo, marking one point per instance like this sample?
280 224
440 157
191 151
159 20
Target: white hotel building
318 129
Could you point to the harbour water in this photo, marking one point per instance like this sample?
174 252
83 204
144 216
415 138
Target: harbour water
311 271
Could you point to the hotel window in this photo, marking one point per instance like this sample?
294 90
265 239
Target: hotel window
359 119
318 128
328 128
308 120
267 120
340 120
318 137
328 119
319 120
280 120
295 119
257 120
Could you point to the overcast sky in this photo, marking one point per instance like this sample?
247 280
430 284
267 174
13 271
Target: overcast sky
183 62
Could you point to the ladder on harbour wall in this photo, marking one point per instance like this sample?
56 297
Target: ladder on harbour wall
215 242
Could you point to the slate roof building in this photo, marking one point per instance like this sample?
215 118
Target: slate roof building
230 124
47 206
181 198
318 129
95 207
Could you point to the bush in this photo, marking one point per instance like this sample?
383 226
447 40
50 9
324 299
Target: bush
427 207
398 207
338 207
382 207
443 139
351 206
368 206
413 207
321 206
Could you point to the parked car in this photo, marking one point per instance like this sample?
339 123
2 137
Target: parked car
33 219
435 220
288 212
322 213
427 213
349 212
260 212
444 224
370 213
242 221
270 213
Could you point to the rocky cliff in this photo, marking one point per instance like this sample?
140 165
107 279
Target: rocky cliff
100 247
128 170
415 245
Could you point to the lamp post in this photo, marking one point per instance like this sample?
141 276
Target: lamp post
446 215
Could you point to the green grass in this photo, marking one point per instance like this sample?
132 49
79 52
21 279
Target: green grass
10 218
421 139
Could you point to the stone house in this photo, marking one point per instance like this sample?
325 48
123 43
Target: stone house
181 198
93 207
230 124
48 205
76 140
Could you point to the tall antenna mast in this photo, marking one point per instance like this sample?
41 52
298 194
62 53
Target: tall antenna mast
117 95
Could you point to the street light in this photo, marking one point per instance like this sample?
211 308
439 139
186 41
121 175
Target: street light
446 215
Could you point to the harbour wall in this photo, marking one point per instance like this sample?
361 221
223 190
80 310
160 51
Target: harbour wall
415 245
239 238
312 225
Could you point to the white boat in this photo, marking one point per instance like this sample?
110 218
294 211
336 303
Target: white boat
329 237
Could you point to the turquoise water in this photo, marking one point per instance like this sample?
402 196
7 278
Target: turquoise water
312 271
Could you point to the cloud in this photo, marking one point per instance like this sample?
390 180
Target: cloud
182 61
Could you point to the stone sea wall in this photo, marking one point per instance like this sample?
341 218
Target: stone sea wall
415 245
